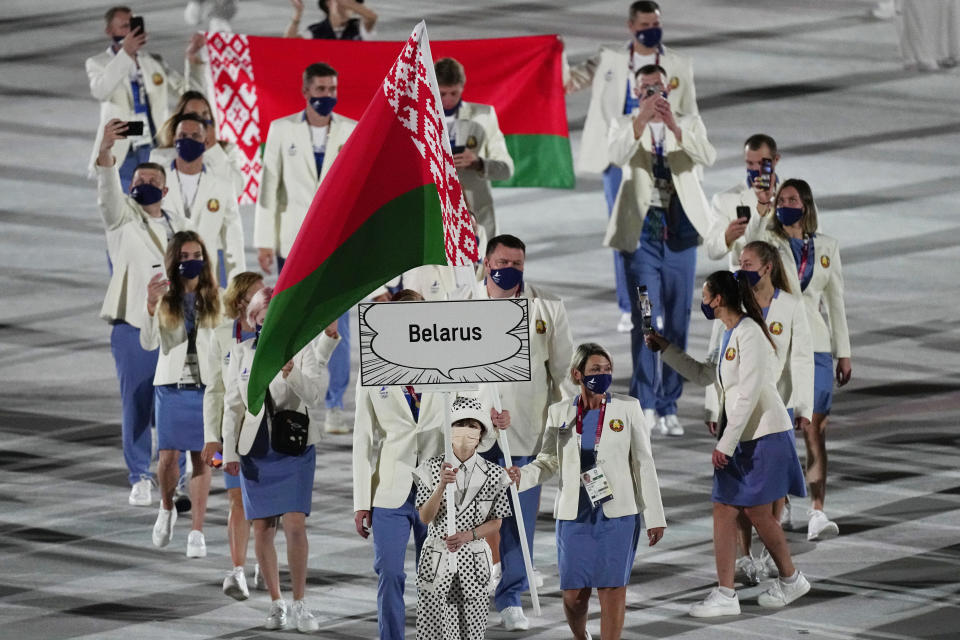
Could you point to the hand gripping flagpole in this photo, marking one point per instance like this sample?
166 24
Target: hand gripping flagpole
517 513
449 490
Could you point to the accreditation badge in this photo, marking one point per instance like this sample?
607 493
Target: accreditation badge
213 205
157 79
596 486
825 261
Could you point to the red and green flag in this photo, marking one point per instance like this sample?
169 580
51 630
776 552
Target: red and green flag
390 202
256 80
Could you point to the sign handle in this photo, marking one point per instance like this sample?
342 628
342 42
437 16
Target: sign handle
517 513
449 490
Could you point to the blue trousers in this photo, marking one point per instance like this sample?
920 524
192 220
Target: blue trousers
135 371
134 157
612 176
391 532
669 277
339 364
514 574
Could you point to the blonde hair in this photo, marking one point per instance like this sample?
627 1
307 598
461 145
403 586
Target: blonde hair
582 354
236 290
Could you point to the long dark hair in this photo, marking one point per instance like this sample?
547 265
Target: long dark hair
809 220
208 294
768 254
738 296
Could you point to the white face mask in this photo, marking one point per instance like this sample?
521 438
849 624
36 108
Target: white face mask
465 438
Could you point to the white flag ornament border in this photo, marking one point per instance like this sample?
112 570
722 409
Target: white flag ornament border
411 89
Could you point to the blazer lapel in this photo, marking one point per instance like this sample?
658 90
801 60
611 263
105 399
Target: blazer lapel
303 139
477 478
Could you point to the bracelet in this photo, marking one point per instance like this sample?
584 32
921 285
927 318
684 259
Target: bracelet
474 531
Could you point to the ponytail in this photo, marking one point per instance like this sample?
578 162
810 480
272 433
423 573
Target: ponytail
768 255
751 306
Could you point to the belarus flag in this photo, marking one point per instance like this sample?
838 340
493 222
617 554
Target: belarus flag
390 202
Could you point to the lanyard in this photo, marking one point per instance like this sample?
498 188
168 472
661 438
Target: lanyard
153 236
238 331
804 258
603 411
658 146
187 206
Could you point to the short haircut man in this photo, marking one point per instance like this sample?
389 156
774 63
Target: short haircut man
318 70
449 72
759 140
507 240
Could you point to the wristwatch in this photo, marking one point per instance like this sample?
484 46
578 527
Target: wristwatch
474 532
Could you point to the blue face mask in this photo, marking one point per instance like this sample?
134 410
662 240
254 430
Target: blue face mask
752 276
707 311
506 278
651 37
118 39
450 112
190 269
752 174
146 194
324 105
189 149
598 383
789 215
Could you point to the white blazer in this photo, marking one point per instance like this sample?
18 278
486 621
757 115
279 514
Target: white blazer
133 248
824 291
746 385
787 323
477 129
299 391
173 345
439 281
289 180
625 456
109 76
215 215
723 207
219 353
224 160
607 72
551 348
633 197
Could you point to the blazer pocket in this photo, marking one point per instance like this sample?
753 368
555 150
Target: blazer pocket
481 572
429 564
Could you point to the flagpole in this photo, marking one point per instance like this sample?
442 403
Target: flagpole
449 490
517 513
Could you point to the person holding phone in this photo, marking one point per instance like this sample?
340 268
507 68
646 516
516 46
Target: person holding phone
275 485
345 20
816 273
605 437
479 149
232 331
134 86
138 230
182 311
755 462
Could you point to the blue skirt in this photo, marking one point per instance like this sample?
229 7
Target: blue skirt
275 483
179 418
822 382
231 482
759 472
594 550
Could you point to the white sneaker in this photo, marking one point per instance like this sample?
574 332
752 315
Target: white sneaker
786 516
258 582
537 578
781 593
672 425
819 527
746 571
766 564
304 619
235 584
656 424
337 422
496 572
625 325
163 527
716 604
140 492
278 615
196 545
514 620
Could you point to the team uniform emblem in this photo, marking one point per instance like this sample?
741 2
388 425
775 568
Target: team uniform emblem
471 142
213 205
616 425
674 82
824 261
157 79
776 328
730 354
541 327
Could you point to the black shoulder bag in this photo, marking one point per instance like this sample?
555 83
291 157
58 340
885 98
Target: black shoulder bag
289 430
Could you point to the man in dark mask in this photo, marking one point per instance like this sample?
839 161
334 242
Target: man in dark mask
611 75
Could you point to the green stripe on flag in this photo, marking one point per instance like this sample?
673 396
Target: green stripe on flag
539 161
404 233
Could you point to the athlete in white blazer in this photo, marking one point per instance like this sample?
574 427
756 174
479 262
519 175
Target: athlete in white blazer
124 66
137 237
205 200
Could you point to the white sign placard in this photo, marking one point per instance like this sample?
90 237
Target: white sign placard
452 342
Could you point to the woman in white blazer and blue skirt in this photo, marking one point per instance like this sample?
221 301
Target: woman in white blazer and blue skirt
598 434
182 313
276 485
755 461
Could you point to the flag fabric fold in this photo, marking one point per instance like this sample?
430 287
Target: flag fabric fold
390 202
256 80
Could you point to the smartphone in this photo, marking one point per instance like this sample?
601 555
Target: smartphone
217 459
457 148
766 173
743 211
136 21
134 128
157 270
